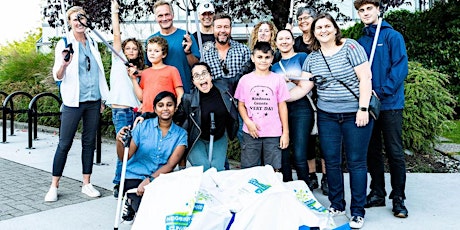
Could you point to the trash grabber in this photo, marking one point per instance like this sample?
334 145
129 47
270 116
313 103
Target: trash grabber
197 24
66 31
211 137
186 23
291 12
89 25
127 140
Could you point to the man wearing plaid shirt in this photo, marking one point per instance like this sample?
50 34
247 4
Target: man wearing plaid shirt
225 56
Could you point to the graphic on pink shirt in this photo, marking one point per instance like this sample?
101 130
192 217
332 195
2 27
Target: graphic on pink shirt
260 101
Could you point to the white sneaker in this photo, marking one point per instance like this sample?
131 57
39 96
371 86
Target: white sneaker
51 195
90 191
356 222
334 212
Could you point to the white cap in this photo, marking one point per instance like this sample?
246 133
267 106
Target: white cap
205 7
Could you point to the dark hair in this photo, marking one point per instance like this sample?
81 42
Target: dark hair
161 42
292 35
263 46
359 3
139 61
314 43
208 68
222 16
164 94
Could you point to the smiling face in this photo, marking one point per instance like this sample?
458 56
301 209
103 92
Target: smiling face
165 108
369 14
222 30
202 78
325 31
164 16
76 26
304 22
262 60
264 34
206 19
284 41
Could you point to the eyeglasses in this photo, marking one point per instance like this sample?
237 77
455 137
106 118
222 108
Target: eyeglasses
301 19
320 82
88 63
224 67
198 76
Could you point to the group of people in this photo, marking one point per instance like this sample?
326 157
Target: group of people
191 98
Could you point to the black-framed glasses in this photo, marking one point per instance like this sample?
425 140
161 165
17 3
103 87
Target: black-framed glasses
224 67
88 64
320 81
198 76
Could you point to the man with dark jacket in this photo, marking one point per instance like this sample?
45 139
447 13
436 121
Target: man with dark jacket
389 70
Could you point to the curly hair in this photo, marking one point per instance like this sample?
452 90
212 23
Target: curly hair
161 42
273 31
139 61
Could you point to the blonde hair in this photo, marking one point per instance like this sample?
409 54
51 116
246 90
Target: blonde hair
161 3
273 31
74 9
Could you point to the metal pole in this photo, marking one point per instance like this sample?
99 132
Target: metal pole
127 139
211 138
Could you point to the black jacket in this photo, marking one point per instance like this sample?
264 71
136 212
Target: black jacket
189 113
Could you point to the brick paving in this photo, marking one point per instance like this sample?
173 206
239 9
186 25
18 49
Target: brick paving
23 189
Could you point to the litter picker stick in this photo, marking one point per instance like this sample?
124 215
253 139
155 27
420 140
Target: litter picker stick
126 139
198 32
211 137
291 12
66 32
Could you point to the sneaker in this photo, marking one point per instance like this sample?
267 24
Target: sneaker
116 188
90 191
399 210
51 195
324 186
374 200
335 212
313 181
356 222
128 213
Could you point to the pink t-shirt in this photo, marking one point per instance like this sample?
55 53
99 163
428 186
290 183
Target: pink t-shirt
261 95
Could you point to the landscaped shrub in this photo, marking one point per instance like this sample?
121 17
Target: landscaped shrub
428 108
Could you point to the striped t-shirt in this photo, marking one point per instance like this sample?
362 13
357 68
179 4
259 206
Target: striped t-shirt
333 97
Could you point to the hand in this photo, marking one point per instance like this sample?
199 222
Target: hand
102 107
115 7
141 187
362 118
65 52
138 120
253 129
132 72
187 43
284 141
122 133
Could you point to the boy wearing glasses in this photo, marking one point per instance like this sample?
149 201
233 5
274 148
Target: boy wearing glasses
262 97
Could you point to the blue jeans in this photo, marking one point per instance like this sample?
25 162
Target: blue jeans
121 117
337 130
89 112
199 154
300 116
388 126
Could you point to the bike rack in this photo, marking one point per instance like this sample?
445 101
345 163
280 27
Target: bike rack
33 114
9 101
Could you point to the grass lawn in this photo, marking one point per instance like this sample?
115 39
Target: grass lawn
454 133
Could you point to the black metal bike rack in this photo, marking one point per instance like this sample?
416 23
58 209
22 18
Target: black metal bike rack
10 110
33 114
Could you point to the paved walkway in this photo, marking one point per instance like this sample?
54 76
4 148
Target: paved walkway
25 176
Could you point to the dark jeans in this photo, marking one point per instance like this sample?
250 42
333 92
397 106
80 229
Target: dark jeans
337 130
300 116
135 199
89 112
389 129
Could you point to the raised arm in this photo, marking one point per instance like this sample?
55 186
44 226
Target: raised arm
116 26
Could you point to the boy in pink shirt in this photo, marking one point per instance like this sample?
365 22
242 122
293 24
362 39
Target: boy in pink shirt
262 97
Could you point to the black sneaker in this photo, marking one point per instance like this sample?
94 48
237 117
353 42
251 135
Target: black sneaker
324 186
115 190
128 213
374 200
313 181
399 209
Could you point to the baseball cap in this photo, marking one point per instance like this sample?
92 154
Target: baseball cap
205 7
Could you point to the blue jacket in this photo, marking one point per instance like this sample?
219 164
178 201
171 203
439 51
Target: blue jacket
390 65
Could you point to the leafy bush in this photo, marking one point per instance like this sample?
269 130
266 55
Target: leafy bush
428 108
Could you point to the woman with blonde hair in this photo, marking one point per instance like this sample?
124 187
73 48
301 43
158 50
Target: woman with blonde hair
264 31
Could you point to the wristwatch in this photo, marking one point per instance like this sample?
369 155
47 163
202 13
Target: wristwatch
364 109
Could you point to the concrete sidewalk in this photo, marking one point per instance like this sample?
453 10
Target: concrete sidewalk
433 201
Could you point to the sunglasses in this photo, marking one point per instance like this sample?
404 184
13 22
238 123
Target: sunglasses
88 64
224 67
